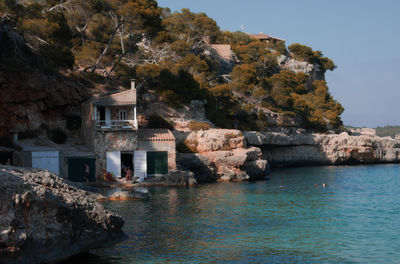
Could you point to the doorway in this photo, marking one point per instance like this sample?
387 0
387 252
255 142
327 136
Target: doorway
76 169
102 113
157 162
126 162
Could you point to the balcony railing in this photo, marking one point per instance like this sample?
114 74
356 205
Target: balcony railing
116 124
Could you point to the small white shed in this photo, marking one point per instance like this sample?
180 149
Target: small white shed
50 160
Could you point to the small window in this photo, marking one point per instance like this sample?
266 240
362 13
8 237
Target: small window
122 114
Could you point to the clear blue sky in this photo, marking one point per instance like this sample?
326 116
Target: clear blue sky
361 36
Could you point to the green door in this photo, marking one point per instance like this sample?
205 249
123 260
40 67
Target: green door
157 162
76 169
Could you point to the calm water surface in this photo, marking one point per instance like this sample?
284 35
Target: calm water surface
287 219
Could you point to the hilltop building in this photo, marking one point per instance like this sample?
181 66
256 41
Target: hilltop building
266 38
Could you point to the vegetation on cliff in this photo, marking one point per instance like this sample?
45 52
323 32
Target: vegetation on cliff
388 131
166 52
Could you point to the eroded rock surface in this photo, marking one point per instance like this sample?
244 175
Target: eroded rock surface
324 149
44 219
223 155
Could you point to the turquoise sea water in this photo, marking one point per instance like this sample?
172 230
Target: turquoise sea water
287 219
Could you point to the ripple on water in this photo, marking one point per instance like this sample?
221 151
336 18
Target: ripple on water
289 219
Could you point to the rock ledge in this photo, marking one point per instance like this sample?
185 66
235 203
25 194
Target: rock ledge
44 219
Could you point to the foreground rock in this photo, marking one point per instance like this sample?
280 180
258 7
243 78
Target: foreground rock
223 155
129 194
175 178
324 149
44 219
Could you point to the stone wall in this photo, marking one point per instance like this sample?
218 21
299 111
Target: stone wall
115 140
161 146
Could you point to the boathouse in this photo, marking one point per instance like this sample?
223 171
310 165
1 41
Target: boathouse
110 127
157 147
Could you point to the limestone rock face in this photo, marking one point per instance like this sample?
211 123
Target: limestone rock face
257 169
28 100
180 118
217 139
363 131
322 149
256 138
204 170
222 156
313 70
44 219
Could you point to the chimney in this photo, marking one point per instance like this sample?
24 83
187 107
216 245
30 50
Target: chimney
132 84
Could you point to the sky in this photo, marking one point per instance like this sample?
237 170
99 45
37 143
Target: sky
361 36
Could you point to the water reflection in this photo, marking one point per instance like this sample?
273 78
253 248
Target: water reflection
353 219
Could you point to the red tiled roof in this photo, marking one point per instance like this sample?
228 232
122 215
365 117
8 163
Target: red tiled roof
155 134
123 98
263 36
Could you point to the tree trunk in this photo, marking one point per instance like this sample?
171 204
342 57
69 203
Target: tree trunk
115 64
93 67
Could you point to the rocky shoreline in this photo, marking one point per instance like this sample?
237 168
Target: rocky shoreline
299 149
222 155
230 155
47 219
44 219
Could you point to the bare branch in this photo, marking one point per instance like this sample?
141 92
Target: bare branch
62 5
93 67
115 64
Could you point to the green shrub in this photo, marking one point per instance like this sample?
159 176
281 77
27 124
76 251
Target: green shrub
57 135
156 121
172 99
196 126
304 53
301 52
182 147
259 92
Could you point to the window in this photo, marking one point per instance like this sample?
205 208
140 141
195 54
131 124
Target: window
122 114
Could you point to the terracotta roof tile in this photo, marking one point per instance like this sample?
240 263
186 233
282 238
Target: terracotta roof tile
155 134
263 36
123 98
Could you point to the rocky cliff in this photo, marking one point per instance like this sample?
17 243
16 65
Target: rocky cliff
32 99
222 155
314 71
44 219
230 155
298 149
